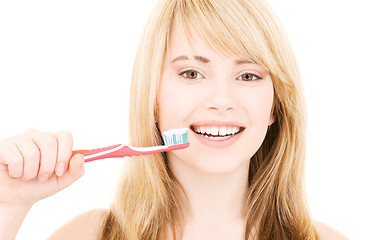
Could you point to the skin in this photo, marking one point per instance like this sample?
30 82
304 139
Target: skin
33 165
214 179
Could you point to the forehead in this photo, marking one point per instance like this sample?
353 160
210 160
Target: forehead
228 27
181 42
190 43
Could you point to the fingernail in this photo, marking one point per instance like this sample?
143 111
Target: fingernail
43 177
60 169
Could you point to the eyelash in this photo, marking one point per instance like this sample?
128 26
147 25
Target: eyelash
190 70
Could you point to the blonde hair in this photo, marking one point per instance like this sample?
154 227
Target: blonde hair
147 204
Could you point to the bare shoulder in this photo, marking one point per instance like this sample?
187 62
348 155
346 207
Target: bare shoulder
327 233
85 226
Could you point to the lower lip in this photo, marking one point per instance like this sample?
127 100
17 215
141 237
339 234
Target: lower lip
218 143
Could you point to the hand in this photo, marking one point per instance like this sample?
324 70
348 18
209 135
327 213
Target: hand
35 165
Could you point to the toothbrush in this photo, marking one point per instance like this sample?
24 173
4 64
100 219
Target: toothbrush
174 139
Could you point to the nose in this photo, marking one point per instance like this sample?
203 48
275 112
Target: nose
220 96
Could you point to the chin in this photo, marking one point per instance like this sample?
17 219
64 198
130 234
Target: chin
211 163
219 166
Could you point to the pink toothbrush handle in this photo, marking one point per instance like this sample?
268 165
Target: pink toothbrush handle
120 150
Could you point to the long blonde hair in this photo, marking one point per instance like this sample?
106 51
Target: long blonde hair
147 204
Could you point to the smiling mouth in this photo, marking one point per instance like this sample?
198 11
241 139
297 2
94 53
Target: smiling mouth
217 133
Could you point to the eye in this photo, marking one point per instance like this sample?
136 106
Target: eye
191 74
248 77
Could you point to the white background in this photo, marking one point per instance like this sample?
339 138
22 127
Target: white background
66 65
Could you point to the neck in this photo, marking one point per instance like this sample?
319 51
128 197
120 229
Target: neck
212 198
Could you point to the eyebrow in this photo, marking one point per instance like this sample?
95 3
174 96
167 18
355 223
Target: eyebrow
199 58
206 60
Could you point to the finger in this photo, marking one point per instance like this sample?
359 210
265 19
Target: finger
10 156
47 145
31 155
76 166
75 171
65 142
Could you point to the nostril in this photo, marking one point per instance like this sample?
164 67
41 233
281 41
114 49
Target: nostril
220 108
220 105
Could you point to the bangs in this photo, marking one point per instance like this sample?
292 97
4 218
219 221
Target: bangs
227 26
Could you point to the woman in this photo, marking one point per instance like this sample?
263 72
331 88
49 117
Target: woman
225 70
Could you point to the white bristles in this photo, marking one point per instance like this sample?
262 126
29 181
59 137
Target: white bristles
175 136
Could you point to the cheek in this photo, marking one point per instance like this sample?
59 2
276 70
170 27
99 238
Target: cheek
175 104
259 105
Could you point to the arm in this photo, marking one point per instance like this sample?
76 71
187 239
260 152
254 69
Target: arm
11 217
85 226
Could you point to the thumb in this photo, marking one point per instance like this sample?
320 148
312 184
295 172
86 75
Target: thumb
75 171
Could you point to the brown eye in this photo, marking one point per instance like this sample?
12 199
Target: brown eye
249 77
191 74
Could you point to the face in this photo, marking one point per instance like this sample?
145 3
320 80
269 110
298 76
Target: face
224 101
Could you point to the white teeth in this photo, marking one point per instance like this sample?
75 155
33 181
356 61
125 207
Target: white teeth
198 129
214 131
217 138
223 131
217 131
230 129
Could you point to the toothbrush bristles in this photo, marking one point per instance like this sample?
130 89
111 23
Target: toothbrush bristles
175 136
